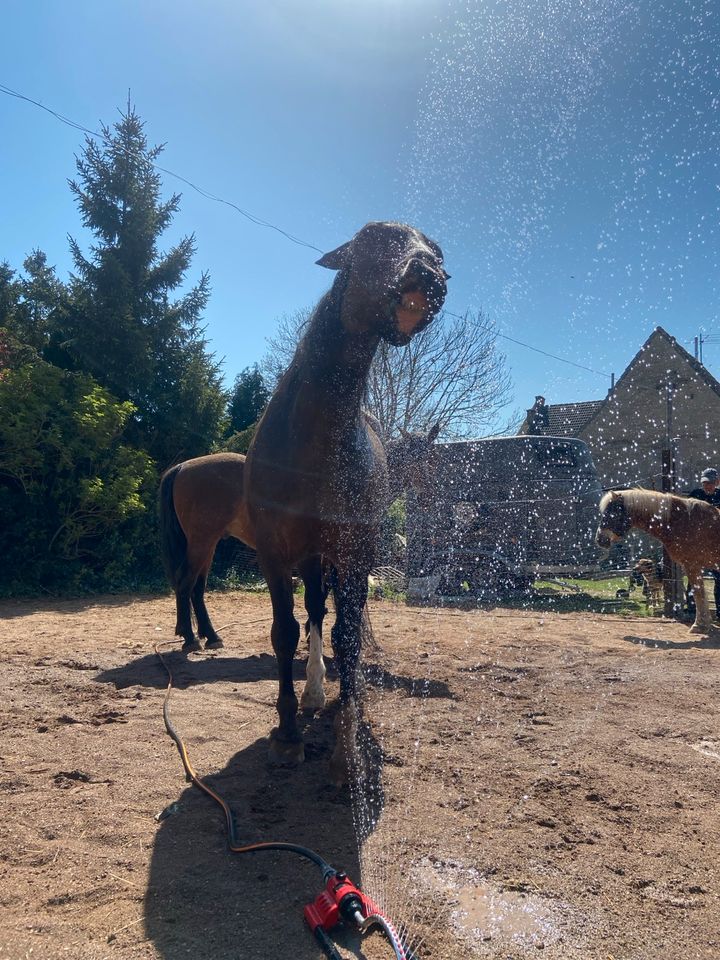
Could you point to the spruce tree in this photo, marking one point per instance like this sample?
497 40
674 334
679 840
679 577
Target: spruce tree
9 298
43 297
248 399
122 324
29 305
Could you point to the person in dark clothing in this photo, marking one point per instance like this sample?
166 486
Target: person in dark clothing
709 491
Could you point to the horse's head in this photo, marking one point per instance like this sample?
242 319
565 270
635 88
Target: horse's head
614 519
410 460
393 280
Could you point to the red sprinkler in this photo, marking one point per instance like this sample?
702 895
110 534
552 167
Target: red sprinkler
342 902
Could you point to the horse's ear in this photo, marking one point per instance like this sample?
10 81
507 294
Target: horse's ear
616 495
336 259
433 435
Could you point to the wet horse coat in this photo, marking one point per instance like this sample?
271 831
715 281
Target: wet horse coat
689 529
316 474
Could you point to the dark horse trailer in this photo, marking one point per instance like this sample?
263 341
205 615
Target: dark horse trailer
497 513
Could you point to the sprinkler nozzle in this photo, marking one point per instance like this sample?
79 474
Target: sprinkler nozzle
351 909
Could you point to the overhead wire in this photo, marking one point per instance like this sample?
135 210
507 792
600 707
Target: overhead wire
260 221
504 336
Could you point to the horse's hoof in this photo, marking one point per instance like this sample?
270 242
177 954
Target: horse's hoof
286 751
215 644
191 646
312 701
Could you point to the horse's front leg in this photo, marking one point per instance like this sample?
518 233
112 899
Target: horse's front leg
702 613
285 741
313 696
350 600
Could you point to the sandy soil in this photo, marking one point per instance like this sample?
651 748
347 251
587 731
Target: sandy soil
545 786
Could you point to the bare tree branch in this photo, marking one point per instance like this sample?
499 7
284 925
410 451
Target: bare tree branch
451 373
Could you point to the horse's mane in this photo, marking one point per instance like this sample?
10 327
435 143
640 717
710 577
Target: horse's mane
641 502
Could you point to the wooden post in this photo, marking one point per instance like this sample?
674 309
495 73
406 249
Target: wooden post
672 573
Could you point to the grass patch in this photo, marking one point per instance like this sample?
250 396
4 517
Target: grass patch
596 596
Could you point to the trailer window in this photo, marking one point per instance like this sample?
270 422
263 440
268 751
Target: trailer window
557 455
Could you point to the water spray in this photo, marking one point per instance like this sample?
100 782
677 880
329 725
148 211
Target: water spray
340 902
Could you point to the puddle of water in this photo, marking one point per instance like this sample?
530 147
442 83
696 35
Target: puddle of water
483 913
708 748
486 912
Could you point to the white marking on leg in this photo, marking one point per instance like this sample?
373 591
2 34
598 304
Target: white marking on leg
701 605
702 618
313 696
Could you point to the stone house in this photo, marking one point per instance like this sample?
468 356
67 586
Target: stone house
665 399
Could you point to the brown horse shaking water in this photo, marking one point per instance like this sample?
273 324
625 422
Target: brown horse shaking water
316 474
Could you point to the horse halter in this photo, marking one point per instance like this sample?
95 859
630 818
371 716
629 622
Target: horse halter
615 521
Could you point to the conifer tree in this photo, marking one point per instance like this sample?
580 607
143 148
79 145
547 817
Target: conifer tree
9 297
42 296
9 294
123 325
29 304
248 399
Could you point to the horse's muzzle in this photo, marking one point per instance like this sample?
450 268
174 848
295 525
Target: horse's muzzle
430 278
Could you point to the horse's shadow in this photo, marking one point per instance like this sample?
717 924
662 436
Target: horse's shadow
377 676
203 900
703 642
70 606
148 671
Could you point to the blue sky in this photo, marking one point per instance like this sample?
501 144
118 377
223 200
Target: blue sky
564 154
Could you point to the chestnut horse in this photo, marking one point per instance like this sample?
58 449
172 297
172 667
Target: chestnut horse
202 501
316 473
688 529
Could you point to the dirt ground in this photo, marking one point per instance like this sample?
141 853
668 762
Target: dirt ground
542 785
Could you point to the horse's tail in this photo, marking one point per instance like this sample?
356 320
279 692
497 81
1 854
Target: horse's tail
173 542
368 641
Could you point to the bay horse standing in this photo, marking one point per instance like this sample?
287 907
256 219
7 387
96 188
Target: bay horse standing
688 529
316 474
203 500
199 502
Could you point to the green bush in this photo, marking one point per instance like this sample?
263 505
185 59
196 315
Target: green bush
78 502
